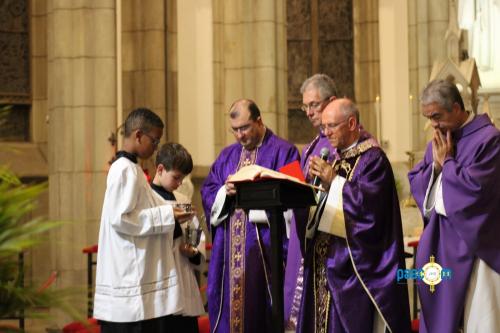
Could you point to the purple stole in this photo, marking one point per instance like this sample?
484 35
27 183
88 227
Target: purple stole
294 275
239 274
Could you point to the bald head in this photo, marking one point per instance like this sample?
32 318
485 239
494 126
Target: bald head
340 123
244 105
344 106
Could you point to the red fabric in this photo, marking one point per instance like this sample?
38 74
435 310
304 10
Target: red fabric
90 249
146 173
203 324
413 244
293 169
79 327
415 325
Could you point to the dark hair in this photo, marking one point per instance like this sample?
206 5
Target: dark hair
251 106
143 119
174 156
442 92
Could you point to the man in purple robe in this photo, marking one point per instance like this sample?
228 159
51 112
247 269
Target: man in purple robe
350 266
239 298
456 187
317 91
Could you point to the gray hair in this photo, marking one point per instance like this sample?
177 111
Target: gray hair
323 83
442 92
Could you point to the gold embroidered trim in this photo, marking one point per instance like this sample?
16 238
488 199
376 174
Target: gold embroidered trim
237 272
359 149
237 257
322 295
291 324
353 168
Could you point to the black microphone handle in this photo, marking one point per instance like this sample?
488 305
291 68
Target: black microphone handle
317 180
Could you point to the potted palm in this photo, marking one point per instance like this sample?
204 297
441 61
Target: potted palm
17 236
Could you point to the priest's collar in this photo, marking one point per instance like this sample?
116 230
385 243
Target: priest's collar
350 147
122 153
358 148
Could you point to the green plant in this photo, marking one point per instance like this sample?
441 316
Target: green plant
16 236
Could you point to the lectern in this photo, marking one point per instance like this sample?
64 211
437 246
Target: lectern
275 196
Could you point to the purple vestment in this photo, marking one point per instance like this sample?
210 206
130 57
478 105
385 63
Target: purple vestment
348 282
471 227
238 291
293 286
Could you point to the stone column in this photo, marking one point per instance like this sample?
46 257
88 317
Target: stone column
81 54
366 60
250 61
394 79
143 37
427 24
172 106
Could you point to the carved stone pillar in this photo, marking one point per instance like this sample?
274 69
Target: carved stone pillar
250 61
81 54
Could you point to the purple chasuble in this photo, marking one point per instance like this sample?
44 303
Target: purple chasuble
294 265
348 282
470 184
239 297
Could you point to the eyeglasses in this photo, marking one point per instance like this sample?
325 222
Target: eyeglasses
241 129
332 126
313 105
154 141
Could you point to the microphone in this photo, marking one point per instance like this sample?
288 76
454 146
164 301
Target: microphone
324 153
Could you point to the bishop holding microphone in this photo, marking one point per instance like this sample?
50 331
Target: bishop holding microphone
349 277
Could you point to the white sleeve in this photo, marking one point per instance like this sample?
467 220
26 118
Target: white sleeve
288 215
434 195
257 216
439 203
142 222
219 211
124 197
332 220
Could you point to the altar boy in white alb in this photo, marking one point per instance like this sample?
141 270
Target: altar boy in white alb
136 279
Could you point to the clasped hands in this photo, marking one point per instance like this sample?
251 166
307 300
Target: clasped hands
322 169
442 147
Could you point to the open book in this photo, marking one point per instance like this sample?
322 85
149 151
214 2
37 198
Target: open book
256 172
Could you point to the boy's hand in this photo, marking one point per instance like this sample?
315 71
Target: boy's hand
188 250
182 216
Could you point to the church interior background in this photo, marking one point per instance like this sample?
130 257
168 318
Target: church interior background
73 69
